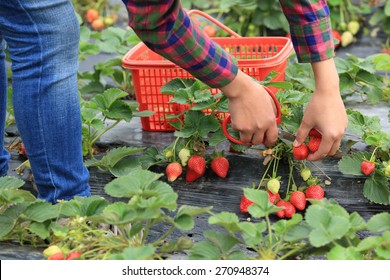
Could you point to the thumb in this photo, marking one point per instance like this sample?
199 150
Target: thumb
302 133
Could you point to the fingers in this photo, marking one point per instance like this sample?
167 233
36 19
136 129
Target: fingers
260 136
302 133
328 147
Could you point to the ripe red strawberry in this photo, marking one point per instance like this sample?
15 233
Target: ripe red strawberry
191 175
244 204
173 171
56 256
288 211
314 133
220 165
281 213
273 198
298 199
73 255
315 192
197 163
314 144
336 35
301 152
367 167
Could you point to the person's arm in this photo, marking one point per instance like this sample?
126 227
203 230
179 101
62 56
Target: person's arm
311 35
167 29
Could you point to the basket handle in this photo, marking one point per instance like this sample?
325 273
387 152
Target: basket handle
216 22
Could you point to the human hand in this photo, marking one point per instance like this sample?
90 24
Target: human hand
326 113
252 110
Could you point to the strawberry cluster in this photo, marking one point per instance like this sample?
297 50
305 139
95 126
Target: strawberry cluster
302 151
297 200
196 165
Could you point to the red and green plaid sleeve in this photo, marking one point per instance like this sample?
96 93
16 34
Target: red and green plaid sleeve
310 29
167 29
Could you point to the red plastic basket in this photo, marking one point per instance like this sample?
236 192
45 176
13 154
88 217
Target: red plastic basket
256 56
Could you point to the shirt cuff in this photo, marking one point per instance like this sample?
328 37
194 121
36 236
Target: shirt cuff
313 42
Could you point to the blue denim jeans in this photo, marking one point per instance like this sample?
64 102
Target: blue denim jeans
42 38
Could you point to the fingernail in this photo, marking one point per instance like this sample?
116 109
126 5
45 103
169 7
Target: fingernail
295 144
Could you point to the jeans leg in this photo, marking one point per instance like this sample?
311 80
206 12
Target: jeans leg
4 154
43 38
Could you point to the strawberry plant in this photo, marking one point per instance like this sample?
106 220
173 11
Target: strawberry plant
369 131
93 228
99 110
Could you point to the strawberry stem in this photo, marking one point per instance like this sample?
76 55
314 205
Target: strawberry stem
372 158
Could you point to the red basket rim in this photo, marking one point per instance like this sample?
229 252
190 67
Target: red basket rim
129 62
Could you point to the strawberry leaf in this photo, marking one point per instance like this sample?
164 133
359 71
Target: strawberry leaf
227 220
340 253
379 222
376 188
136 253
205 250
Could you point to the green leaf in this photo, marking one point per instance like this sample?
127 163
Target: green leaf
298 232
374 94
368 78
40 229
225 219
136 253
369 243
350 164
179 245
340 253
132 184
10 183
184 222
7 224
106 99
223 241
383 251
208 124
114 156
41 211
16 195
284 226
357 222
387 9
343 65
204 250
382 61
326 227
248 229
119 213
149 157
346 82
376 188
379 222
125 166
216 138
261 205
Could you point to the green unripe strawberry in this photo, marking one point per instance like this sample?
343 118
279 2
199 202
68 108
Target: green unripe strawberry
387 171
51 250
273 185
184 155
305 174
353 27
168 154
346 38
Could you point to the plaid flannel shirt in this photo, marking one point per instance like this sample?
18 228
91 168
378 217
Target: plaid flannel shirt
165 27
